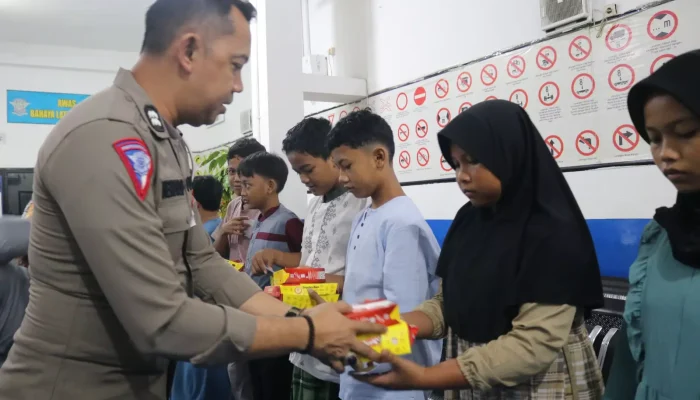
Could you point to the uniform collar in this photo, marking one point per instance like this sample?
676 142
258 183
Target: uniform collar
125 81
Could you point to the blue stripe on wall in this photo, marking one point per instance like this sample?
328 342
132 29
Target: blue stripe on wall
616 242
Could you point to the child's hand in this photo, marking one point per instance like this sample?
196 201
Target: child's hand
263 261
235 226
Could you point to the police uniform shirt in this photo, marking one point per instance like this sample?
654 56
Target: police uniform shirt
112 221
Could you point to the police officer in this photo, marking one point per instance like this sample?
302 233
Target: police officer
117 251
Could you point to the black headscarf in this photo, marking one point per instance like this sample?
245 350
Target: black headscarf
533 246
678 78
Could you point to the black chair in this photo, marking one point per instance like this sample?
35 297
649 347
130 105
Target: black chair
607 352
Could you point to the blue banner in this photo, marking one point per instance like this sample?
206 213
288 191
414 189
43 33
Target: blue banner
39 107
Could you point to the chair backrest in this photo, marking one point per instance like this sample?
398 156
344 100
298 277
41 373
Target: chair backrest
607 352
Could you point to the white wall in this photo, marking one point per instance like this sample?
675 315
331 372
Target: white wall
407 39
82 71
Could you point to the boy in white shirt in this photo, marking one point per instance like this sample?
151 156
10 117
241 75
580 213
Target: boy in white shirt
326 235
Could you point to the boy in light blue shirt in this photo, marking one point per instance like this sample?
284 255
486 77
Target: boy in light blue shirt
392 252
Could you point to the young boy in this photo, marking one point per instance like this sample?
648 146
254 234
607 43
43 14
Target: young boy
326 234
233 236
263 176
207 193
392 252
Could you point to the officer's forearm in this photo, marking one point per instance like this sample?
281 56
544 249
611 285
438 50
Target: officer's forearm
279 336
263 304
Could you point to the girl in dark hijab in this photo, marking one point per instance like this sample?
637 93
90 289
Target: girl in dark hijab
662 312
519 272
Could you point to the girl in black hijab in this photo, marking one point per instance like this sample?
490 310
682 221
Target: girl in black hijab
519 272
662 312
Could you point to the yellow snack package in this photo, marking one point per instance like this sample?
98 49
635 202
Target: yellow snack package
236 265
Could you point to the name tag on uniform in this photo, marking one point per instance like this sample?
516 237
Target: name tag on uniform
173 188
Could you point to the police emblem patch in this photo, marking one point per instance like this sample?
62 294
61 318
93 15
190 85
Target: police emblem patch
154 119
137 160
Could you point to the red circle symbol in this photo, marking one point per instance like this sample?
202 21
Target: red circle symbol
621 77
549 94
546 58
343 114
404 159
442 88
580 48
519 97
423 156
445 165
583 86
443 117
555 145
660 61
422 128
516 67
662 25
619 37
489 74
464 107
587 143
626 138
491 98
403 132
356 109
419 96
464 82
401 101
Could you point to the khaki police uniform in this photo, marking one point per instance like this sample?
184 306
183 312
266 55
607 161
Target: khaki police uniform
112 221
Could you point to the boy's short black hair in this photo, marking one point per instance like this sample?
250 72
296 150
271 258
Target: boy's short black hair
359 129
267 165
308 136
208 191
243 148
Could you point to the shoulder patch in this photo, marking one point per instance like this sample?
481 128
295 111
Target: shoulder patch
137 159
154 118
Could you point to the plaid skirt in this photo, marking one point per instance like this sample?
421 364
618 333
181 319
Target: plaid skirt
307 387
575 363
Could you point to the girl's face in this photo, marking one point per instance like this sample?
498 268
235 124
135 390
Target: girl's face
674 136
481 186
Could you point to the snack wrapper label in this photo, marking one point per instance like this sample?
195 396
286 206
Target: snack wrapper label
298 275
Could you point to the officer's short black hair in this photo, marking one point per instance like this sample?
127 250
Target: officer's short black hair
266 165
208 191
359 129
244 147
165 19
308 136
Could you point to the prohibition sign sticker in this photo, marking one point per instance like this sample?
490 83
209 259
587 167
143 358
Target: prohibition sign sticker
546 58
444 164
356 109
404 159
422 128
621 77
618 37
442 88
660 61
464 107
331 117
403 132
343 114
464 82
519 97
491 98
423 156
583 86
443 117
587 143
419 96
625 138
580 48
516 67
549 94
401 101
489 74
555 145
662 25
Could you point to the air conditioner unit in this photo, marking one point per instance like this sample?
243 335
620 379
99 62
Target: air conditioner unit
563 15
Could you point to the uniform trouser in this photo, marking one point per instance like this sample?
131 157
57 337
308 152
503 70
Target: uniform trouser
241 385
271 378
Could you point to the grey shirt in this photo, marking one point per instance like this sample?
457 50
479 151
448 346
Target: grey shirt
14 296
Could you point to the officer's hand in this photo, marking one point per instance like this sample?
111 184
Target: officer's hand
263 261
236 226
336 335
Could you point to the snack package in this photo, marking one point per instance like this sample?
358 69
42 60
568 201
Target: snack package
298 295
398 338
295 276
236 265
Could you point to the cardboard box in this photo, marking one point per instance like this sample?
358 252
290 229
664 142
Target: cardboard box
298 295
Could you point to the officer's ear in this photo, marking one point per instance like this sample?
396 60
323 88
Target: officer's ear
187 49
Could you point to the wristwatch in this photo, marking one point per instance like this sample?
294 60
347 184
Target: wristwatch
294 312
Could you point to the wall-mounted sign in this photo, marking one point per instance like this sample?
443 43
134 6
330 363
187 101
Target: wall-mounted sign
44 108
